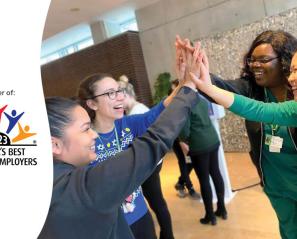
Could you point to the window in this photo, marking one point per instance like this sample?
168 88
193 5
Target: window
67 50
130 24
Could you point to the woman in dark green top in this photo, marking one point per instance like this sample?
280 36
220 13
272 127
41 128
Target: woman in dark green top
278 150
204 143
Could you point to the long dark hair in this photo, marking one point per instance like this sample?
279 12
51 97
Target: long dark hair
87 89
284 45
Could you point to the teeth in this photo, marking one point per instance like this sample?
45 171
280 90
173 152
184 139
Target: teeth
118 106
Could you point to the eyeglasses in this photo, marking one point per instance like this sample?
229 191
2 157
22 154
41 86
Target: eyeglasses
261 61
112 94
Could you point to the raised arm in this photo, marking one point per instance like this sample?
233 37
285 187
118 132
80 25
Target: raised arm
284 113
106 185
275 113
238 86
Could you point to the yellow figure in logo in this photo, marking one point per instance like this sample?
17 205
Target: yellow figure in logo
23 133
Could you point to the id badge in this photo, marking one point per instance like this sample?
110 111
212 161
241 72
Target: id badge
276 142
273 149
188 159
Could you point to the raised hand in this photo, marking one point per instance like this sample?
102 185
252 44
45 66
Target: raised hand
194 64
203 83
180 65
205 59
183 62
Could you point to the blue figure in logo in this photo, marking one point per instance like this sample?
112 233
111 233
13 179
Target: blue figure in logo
13 119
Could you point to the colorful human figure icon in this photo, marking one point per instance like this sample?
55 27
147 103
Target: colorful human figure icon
2 110
13 119
23 133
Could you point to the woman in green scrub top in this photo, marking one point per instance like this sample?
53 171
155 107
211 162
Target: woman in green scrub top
279 151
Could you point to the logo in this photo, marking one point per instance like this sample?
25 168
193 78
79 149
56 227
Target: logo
15 137
13 131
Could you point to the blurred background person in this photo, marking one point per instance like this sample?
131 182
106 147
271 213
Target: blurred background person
181 150
151 188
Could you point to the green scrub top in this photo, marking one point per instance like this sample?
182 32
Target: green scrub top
280 169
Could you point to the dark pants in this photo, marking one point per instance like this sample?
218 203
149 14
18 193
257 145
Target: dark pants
184 168
206 164
144 228
153 193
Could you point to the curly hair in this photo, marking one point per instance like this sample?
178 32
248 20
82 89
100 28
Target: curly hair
284 45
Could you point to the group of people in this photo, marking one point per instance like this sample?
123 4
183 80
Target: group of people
269 75
101 157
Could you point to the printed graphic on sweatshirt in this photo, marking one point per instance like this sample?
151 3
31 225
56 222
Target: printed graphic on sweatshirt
107 147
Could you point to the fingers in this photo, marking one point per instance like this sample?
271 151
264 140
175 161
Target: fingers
189 55
191 59
179 60
183 68
205 59
182 73
188 46
196 80
178 55
183 43
183 55
196 51
179 41
204 70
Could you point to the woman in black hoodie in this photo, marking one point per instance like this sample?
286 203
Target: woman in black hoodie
86 200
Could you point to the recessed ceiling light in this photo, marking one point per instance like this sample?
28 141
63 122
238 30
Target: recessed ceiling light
74 9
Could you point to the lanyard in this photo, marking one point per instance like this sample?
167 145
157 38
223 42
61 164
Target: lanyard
117 139
274 127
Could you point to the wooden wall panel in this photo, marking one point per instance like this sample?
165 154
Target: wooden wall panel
119 55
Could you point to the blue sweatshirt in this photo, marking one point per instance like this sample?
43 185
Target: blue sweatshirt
109 144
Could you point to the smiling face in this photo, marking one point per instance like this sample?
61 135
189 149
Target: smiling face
108 109
78 144
267 74
293 76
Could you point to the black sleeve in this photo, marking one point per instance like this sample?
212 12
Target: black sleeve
238 86
105 186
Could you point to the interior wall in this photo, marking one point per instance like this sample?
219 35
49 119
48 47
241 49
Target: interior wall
226 51
226 29
119 55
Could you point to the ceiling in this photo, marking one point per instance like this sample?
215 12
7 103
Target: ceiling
64 14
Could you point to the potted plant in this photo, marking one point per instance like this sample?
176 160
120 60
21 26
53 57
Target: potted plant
162 87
